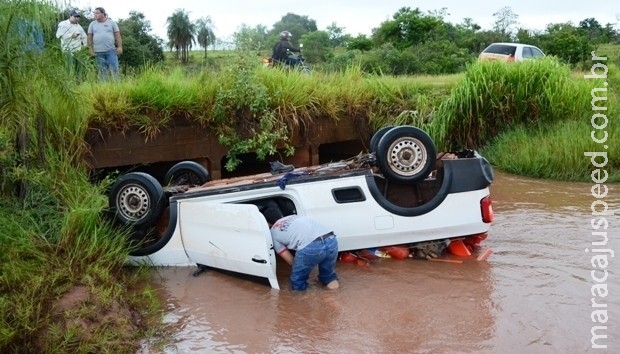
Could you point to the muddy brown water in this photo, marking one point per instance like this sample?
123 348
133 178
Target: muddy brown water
533 295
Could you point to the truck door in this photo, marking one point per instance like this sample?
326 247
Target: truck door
232 237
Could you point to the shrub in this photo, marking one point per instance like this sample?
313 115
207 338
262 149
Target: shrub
494 96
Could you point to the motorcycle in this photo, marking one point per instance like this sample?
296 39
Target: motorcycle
299 58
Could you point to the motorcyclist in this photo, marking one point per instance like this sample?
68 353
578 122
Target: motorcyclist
281 49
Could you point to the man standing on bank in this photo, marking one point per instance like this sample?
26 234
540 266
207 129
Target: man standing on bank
102 35
72 39
315 245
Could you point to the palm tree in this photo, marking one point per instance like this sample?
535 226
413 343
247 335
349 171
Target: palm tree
205 32
181 33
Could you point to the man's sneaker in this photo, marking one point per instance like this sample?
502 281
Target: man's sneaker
278 167
333 285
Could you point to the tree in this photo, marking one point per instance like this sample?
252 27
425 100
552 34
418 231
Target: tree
140 46
527 36
440 14
469 24
204 27
565 41
181 33
505 20
361 43
337 37
316 46
411 27
592 29
296 24
252 38
610 34
465 35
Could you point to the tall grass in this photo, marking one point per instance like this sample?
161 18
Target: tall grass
556 150
319 95
553 153
58 241
52 234
496 96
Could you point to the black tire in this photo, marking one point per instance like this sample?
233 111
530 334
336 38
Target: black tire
374 141
136 199
144 242
187 173
305 69
406 154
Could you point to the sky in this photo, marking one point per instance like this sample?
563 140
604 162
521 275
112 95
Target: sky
356 16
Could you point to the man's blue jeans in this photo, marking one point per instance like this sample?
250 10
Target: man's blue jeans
108 64
323 253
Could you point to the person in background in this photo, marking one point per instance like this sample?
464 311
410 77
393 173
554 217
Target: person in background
315 245
105 43
282 48
72 39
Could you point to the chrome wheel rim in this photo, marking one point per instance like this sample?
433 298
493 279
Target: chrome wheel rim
407 156
133 202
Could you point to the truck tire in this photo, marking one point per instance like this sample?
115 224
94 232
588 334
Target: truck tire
374 141
136 199
187 173
406 154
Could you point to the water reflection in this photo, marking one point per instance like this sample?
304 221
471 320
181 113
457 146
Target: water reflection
542 274
511 193
533 295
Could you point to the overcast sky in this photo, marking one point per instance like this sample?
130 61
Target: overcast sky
356 16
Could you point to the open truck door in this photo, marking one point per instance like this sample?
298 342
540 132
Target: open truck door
232 237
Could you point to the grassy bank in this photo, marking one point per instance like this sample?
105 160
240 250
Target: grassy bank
63 285
62 277
253 108
554 152
533 118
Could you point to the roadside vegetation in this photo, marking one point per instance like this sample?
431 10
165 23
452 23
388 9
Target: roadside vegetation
532 119
254 109
63 287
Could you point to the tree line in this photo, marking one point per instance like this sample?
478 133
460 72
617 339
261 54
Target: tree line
410 42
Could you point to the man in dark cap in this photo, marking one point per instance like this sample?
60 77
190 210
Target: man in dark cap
71 34
72 39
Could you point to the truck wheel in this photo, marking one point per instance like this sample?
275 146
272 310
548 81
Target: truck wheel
136 199
374 141
144 242
406 154
187 173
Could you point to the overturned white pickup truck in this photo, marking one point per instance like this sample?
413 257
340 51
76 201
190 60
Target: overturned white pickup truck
400 193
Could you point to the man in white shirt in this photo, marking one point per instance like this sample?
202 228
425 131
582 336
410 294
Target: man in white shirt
72 35
72 39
